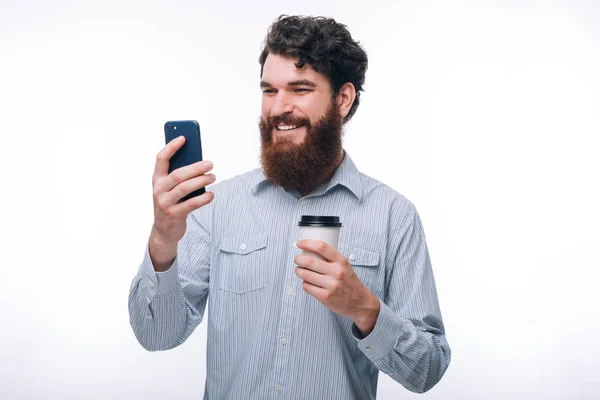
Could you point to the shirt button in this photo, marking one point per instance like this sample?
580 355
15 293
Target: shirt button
148 316
278 388
243 246
368 349
290 292
284 341
352 257
150 283
303 201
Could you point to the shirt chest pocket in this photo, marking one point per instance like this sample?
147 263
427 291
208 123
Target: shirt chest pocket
241 263
365 264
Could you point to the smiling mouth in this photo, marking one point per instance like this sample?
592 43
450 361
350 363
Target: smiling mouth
286 128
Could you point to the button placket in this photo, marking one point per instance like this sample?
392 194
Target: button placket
287 321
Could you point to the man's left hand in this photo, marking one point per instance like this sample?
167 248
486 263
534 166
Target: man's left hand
333 282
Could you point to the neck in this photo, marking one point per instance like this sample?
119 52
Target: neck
325 177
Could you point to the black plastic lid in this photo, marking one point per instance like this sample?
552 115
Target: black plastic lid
320 220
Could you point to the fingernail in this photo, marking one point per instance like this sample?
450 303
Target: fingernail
208 164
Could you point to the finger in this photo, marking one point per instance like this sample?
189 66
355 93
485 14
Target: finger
184 188
192 204
162 158
312 263
314 278
184 173
317 292
321 248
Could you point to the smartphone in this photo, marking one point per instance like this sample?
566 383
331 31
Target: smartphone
190 152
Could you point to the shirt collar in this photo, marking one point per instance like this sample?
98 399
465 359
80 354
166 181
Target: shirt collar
346 175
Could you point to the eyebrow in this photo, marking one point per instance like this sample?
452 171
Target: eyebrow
299 82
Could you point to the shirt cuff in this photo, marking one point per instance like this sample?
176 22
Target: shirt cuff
158 283
381 341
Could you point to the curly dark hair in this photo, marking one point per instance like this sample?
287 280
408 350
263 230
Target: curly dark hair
323 44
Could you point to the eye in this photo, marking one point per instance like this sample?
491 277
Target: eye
269 91
300 90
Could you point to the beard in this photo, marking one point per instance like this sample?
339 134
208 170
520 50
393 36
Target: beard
306 165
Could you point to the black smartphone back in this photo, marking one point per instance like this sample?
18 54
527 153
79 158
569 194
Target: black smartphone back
190 152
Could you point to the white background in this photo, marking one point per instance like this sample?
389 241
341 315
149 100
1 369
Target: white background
486 115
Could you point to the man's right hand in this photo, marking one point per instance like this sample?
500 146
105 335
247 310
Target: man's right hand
170 214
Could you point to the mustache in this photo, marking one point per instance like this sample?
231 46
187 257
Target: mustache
286 119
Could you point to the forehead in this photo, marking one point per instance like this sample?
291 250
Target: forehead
279 71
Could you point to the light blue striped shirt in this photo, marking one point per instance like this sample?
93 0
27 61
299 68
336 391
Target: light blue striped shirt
267 337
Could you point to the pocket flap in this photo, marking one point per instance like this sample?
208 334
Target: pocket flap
245 244
358 256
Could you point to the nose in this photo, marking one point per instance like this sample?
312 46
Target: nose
282 104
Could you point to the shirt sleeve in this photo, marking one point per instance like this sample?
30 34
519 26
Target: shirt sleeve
166 307
408 342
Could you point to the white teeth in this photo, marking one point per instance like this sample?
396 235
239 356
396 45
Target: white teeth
286 127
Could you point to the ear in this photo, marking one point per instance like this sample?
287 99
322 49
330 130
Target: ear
345 98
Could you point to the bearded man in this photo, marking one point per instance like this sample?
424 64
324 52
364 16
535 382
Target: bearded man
281 323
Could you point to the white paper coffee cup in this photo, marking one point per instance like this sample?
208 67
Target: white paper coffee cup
319 227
